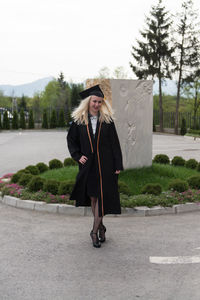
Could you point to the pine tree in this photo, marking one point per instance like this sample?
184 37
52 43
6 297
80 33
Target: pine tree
45 120
6 122
61 121
15 122
1 125
22 123
31 120
186 42
53 119
75 97
153 54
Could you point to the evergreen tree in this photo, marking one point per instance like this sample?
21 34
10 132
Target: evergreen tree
22 123
186 42
1 125
153 54
15 122
31 120
22 103
6 122
191 85
53 119
45 120
183 127
61 121
75 97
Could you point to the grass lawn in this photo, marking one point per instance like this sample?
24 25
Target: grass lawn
134 178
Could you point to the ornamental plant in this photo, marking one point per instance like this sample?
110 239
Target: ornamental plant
36 184
69 162
161 159
42 167
178 185
194 181
66 187
152 188
123 188
51 186
191 163
178 161
55 164
33 170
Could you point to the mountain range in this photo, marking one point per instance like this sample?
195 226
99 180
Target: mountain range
29 89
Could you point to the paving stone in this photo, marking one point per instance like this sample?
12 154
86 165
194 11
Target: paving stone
159 210
42 206
187 207
70 210
28 204
9 200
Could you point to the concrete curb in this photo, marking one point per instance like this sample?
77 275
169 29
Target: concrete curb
70 210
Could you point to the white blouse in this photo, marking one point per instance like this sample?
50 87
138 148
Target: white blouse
93 120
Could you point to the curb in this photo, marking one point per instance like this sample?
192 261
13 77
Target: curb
70 210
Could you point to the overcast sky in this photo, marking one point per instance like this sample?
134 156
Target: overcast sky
40 38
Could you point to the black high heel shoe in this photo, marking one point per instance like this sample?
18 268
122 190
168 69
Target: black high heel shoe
95 240
102 231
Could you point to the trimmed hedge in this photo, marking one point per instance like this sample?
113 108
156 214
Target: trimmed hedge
161 159
178 161
191 163
51 186
33 170
55 164
16 177
36 184
178 185
42 167
69 162
25 179
66 187
152 188
194 181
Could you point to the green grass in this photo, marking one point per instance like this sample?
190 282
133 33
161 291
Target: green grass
62 174
134 178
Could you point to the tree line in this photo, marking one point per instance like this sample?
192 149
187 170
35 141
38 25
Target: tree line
169 47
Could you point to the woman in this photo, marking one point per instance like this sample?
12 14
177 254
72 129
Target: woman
94 144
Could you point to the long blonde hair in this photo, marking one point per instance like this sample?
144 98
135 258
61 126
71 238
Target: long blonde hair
80 114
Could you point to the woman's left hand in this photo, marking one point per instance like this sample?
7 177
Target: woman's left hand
117 171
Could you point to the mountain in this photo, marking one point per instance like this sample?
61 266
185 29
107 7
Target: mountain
168 87
27 89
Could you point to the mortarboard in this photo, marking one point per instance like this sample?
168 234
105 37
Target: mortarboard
93 91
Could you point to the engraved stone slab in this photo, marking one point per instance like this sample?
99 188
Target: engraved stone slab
132 101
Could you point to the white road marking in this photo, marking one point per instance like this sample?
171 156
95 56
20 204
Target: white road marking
174 260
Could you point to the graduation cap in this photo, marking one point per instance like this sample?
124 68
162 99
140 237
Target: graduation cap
93 91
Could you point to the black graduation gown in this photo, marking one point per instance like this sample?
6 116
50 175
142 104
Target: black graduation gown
103 149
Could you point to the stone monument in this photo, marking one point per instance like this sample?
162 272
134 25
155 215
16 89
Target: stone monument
132 102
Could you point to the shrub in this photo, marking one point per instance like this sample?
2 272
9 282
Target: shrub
36 184
183 127
198 167
161 159
55 164
152 188
33 170
194 182
66 187
53 119
178 185
191 163
6 122
31 120
51 186
15 121
178 161
69 162
123 188
25 178
15 178
45 120
42 167
22 122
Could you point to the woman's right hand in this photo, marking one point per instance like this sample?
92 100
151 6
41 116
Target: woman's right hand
83 159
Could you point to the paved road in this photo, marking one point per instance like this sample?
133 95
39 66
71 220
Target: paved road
50 257
46 256
21 148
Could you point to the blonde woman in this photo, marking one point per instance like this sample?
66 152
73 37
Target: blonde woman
94 144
